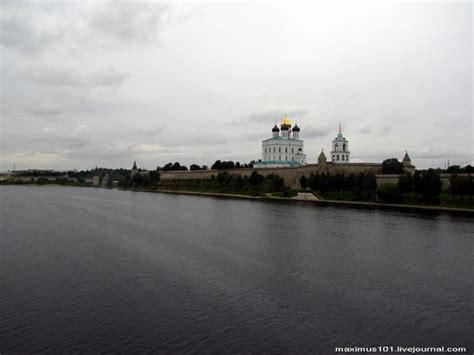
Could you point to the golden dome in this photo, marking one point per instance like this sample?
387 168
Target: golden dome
286 121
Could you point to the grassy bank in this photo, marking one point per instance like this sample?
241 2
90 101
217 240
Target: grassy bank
445 199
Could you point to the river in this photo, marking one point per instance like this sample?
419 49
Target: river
90 270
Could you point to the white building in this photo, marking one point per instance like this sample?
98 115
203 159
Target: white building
285 150
340 149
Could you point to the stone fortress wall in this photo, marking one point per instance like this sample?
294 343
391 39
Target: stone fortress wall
291 176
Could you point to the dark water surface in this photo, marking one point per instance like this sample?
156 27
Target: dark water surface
89 270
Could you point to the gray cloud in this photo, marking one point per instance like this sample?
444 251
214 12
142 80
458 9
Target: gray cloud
311 132
67 78
270 116
371 129
129 21
157 82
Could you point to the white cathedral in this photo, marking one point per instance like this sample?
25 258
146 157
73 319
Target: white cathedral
285 150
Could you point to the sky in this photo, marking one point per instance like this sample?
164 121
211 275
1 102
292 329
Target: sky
104 83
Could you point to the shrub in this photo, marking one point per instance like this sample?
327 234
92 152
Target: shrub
303 182
429 185
389 193
405 183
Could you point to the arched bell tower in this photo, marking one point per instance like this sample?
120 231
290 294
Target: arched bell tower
340 148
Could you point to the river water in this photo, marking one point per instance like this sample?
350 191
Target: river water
89 270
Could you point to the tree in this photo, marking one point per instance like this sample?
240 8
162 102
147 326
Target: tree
324 183
194 167
370 181
405 183
429 186
137 179
223 177
454 169
168 167
313 181
303 182
255 178
338 182
392 166
146 181
350 183
389 193
154 175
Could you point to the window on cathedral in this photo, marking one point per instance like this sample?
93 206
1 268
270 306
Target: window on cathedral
344 146
279 157
337 157
279 149
286 150
292 150
335 146
342 157
333 158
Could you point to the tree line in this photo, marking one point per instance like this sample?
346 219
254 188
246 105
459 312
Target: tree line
339 182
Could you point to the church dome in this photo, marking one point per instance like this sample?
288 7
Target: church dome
275 129
285 122
296 128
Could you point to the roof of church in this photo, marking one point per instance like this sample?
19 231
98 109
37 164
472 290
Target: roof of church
282 138
322 155
406 157
275 128
286 162
296 128
134 166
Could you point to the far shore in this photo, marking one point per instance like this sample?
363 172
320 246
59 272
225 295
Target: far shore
360 204
354 204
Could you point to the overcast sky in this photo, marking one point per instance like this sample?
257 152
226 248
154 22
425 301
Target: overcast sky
94 83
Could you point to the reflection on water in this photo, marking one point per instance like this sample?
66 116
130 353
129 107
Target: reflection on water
92 270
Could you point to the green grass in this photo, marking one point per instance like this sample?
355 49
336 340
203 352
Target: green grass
288 193
445 199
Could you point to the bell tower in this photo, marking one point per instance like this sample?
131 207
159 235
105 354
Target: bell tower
340 148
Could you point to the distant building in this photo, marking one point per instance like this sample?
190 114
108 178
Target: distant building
407 166
340 149
105 180
285 150
96 180
136 171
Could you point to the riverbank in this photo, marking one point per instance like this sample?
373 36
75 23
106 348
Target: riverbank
355 204
303 198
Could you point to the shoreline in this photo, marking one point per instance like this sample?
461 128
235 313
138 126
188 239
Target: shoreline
360 204
338 203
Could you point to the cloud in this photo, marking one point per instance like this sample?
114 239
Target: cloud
102 82
76 26
122 22
371 129
67 78
270 116
313 132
